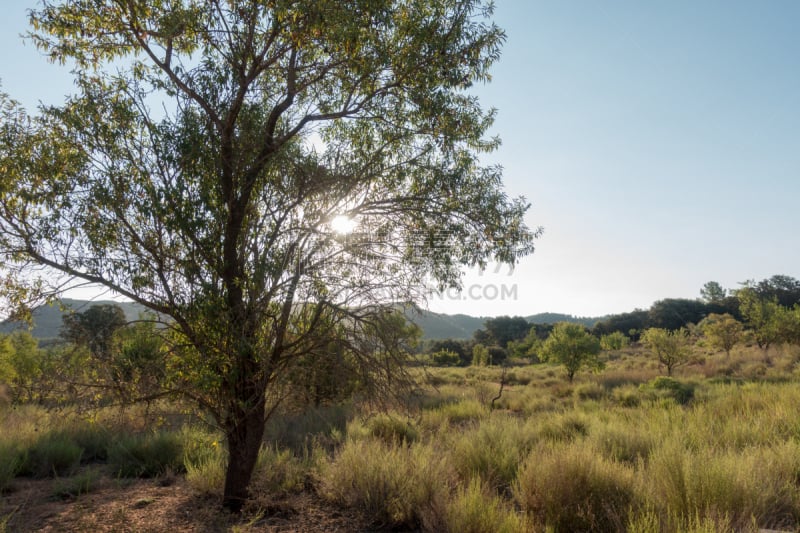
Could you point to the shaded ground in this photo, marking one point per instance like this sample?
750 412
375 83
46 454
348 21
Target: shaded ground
167 504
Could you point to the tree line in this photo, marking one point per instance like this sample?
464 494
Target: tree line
766 313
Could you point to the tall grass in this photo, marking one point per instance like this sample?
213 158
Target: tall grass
393 485
569 487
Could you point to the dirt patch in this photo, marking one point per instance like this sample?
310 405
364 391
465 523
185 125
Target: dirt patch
163 505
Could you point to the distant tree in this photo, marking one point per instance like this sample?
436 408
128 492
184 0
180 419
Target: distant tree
712 292
529 346
722 332
785 290
675 313
572 346
94 328
631 323
762 316
504 329
480 355
497 355
671 348
446 358
452 345
614 341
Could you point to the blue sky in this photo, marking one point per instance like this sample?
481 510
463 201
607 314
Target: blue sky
659 143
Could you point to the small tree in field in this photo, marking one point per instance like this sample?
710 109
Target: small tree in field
671 348
572 346
210 148
480 355
614 341
722 332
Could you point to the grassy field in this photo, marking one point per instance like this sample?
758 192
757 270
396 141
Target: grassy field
715 449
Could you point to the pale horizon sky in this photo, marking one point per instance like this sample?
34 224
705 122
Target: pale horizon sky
658 142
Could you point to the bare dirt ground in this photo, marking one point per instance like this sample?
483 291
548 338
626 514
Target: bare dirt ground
164 505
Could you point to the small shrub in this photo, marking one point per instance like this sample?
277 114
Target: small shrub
573 489
491 451
393 485
566 427
625 444
589 391
454 413
12 460
390 429
146 455
52 454
278 472
205 470
627 396
72 487
666 387
94 440
475 509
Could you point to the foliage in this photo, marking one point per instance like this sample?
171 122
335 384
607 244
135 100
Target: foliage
712 292
450 345
146 455
445 358
675 313
666 387
631 323
614 341
761 315
480 355
572 346
671 348
214 209
95 329
722 332
785 290
504 329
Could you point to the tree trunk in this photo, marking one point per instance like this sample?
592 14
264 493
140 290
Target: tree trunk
244 433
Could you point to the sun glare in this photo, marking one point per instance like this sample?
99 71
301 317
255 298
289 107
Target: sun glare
342 224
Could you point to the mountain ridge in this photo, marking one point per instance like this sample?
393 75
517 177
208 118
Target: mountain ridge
47 320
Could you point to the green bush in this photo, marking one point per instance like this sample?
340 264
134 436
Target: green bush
146 455
12 460
666 387
386 427
446 358
52 454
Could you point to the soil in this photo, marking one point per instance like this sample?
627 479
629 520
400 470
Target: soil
162 505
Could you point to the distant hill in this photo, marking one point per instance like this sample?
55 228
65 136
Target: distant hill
47 320
442 326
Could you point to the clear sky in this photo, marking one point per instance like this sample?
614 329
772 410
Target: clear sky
659 143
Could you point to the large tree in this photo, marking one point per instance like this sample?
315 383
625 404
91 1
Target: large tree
209 148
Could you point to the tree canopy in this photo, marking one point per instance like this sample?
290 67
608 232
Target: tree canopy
208 148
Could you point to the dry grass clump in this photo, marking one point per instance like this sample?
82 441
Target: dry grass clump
477 509
491 451
393 485
571 487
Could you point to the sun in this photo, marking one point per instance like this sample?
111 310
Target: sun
342 224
